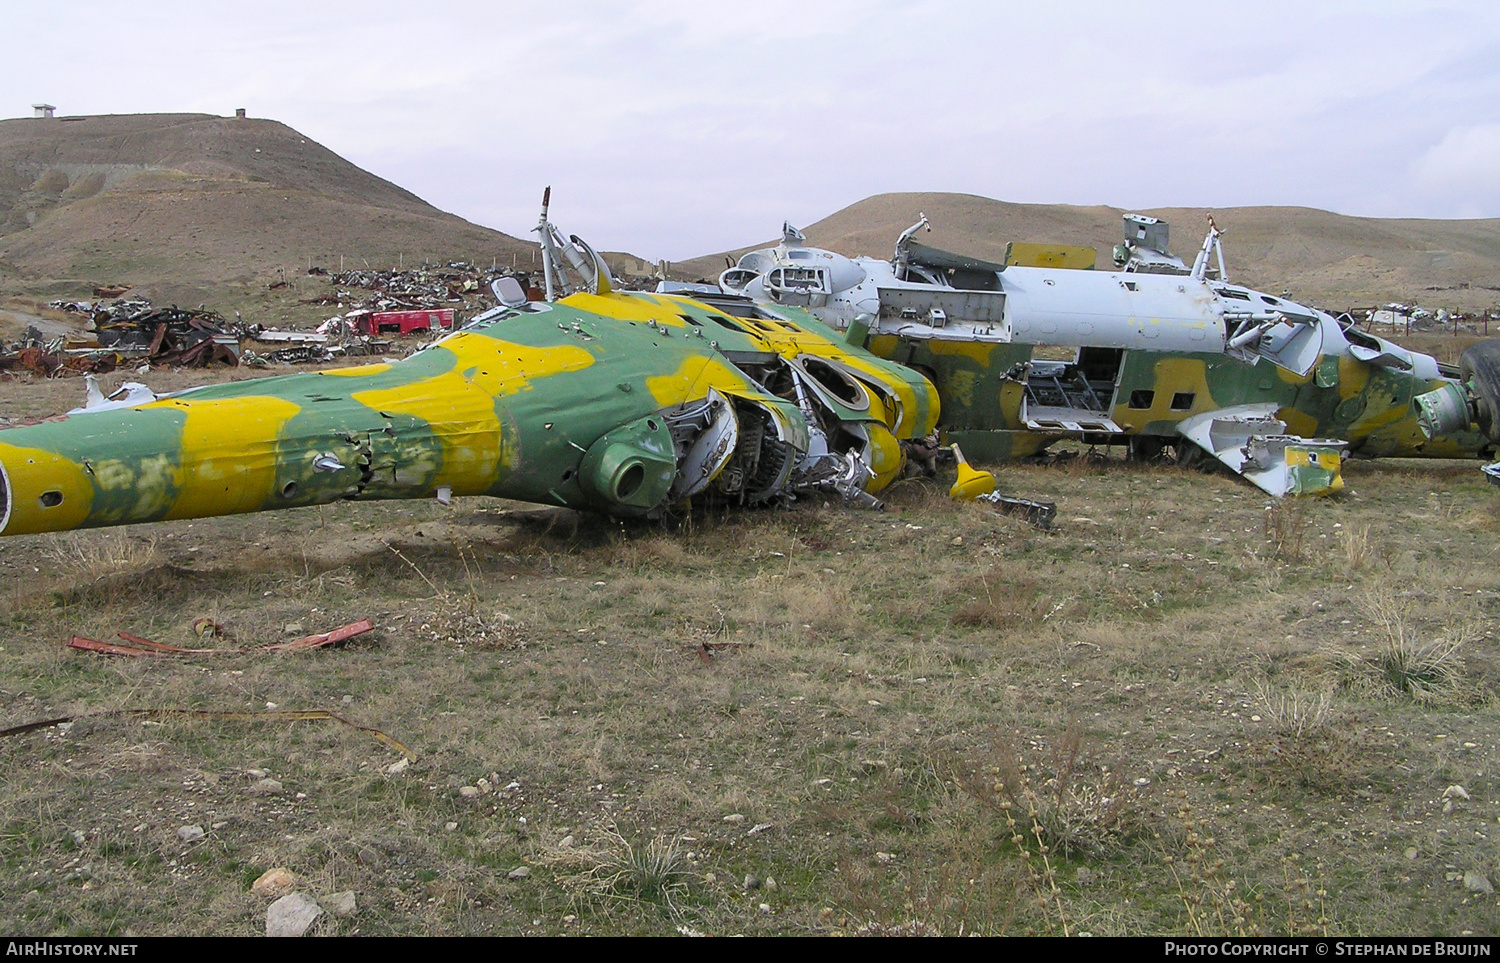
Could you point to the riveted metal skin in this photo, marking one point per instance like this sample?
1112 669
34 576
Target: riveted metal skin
512 405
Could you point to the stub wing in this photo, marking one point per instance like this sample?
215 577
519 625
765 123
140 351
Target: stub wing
1252 441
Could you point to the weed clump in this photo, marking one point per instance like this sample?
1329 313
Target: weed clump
1075 803
1355 547
1214 902
1405 666
1302 748
1425 672
655 872
1285 525
94 558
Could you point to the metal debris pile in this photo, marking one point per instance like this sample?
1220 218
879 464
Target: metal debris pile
40 355
128 331
134 332
196 338
339 336
318 349
456 284
1411 317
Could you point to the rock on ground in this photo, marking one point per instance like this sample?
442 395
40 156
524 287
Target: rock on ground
340 904
274 883
291 915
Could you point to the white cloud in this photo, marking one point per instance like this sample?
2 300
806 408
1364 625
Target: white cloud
1461 173
672 127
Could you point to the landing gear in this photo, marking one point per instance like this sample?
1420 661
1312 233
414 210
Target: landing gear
1187 455
1146 448
1479 368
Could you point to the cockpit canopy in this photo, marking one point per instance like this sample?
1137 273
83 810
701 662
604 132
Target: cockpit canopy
792 274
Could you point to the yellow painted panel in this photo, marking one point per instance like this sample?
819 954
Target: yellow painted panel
626 308
31 472
693 378
1172 375
904 393
364 369
886 457
499 367
1352 377
976 351
1027 254
228 461
461 416
1298 422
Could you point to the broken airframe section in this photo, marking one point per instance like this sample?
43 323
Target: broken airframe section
1167 356
622 403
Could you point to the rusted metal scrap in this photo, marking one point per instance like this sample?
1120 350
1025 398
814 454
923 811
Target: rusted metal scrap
339 634
138 647
129 329
169 335
457 284
282 715
47 357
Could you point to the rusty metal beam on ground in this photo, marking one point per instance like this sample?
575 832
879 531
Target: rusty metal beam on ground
140 647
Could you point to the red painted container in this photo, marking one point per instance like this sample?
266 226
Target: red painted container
405 322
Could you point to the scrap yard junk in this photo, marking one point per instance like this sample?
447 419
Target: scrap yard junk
622 403
129 331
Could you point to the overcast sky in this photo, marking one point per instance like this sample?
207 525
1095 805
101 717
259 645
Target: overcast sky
672 129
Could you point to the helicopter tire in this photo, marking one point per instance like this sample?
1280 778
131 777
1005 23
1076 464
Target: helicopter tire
1479 367
1188 454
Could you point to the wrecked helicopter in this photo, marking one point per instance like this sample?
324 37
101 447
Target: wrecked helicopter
1167 358
622 403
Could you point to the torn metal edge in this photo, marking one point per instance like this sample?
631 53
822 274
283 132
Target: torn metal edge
5 497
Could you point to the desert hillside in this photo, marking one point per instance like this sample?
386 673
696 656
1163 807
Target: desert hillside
185 202
1319 256
191 207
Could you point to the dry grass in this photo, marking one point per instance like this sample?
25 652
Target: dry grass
1426 671
654 872
1357 551
872 679
1066 798
1286 525
98 556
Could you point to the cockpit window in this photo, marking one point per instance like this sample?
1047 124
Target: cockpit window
805 279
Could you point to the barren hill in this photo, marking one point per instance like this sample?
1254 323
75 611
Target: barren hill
1331 259
181 202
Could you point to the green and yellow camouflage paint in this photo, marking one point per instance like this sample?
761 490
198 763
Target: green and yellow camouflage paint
1158 355
588 402
1370 406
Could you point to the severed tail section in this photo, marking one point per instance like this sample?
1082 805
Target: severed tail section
1252 441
